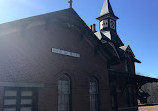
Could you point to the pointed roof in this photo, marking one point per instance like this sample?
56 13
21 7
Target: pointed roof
127 48
106 9
109 36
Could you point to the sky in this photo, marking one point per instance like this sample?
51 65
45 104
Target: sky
137 26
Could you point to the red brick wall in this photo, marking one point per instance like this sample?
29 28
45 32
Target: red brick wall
28 58
47 99
121 66
132 67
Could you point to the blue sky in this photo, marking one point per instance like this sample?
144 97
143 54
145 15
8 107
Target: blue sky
137 26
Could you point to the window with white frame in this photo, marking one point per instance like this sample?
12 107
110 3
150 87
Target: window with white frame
20 99
93 94
64 93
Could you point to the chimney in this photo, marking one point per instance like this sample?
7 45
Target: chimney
93 28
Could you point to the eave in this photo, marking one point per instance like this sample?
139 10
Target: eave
115 75
106 16
136 60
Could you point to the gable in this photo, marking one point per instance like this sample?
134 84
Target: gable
28 50
127 49
67 18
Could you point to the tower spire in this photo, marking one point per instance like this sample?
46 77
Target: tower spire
106 9
107 25
70 3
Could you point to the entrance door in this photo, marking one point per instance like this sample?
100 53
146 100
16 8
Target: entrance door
20 99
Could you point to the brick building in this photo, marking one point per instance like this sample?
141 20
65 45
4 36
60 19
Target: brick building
55 62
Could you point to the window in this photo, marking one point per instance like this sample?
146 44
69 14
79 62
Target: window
93 93
126 66
20 99
64 93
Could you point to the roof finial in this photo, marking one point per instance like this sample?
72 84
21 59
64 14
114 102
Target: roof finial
70 3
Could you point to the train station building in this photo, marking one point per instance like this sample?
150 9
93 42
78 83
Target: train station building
55 62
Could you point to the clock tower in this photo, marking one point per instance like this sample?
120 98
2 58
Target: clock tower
107 25
107 18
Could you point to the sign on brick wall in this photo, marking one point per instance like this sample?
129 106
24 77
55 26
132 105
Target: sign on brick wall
67 53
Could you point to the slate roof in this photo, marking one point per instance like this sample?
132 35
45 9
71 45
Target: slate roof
128 49
101 36
70 18
106 9
109 36
67 17
123 50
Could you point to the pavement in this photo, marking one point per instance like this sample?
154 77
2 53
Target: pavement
148 108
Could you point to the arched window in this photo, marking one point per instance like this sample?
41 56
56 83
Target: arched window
64 93
93 93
